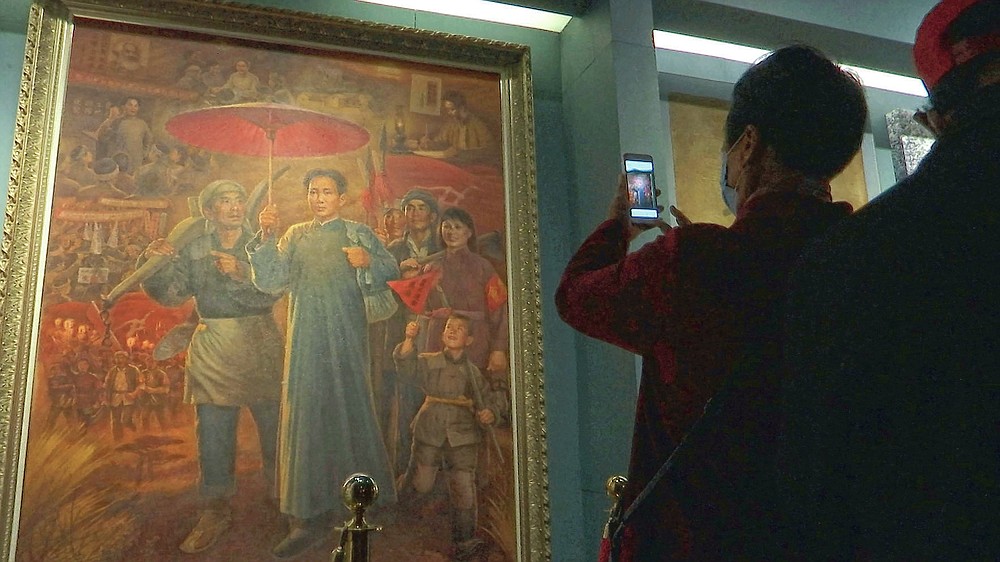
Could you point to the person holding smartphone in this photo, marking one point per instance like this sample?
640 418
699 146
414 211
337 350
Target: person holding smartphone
699 297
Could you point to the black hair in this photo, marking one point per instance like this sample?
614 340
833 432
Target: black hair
957 86
456 98
462 216
336 176
463 317
811 112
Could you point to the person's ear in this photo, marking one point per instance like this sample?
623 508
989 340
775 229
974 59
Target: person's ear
343 199
751 144
468 341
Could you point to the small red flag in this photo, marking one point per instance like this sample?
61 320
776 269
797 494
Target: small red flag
415 290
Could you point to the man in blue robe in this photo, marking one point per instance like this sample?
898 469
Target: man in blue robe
329 429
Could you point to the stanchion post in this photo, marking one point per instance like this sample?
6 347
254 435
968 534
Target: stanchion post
359 493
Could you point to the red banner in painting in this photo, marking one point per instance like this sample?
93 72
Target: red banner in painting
415 290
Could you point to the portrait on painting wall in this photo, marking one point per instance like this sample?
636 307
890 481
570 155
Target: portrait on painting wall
266 263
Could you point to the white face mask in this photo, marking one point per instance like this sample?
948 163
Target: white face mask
728 191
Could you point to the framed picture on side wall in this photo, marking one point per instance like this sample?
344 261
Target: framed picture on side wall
249 253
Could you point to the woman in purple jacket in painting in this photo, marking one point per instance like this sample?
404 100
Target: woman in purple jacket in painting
470 286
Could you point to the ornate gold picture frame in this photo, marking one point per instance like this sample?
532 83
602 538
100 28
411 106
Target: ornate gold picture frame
146 131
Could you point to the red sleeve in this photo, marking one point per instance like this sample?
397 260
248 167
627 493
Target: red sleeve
496 309
621 298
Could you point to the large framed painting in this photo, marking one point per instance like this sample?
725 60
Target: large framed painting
248 253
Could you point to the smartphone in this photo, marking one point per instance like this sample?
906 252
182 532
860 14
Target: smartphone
641 187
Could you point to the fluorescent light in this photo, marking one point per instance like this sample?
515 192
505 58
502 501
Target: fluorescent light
889 81
707 47
486 11
739 53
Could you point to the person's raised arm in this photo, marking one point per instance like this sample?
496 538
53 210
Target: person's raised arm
614 296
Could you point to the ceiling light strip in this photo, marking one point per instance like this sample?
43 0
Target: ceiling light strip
730 51
485 11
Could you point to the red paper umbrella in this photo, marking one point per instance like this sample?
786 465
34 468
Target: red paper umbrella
266 129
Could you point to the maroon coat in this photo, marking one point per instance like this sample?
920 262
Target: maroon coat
466 280
690 302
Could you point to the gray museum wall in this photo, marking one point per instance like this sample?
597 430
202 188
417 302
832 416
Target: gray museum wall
11 59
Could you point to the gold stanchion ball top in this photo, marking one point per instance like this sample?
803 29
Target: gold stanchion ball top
360 490
615 486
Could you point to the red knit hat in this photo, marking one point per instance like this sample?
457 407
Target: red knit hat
932 53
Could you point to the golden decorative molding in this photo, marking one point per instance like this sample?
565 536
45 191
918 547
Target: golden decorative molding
22 248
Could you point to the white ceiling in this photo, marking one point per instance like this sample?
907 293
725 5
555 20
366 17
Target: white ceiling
890 19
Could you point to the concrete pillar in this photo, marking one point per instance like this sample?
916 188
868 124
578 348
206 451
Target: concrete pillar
611 105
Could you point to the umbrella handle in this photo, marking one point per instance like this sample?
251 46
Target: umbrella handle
270 158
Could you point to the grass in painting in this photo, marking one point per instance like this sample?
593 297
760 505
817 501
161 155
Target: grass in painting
500 509
68 514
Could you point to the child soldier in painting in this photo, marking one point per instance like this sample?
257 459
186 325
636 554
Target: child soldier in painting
445 432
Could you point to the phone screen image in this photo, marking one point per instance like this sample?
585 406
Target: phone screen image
641 191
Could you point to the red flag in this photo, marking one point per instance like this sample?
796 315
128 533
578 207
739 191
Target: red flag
379 184
368 202
377 195
496 293
415 290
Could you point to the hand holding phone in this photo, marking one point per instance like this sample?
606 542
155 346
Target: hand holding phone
641 187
